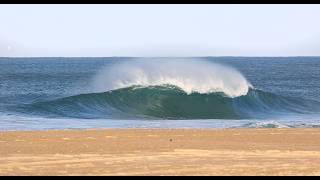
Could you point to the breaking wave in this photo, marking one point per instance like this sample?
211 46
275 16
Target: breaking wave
193 89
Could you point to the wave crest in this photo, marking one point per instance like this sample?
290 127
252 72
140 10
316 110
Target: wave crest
191 76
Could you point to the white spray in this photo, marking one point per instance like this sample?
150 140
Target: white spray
189 75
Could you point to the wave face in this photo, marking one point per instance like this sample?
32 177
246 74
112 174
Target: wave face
171 102
191 76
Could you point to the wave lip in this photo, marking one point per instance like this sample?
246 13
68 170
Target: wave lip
192 76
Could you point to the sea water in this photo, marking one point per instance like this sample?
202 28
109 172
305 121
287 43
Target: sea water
211 92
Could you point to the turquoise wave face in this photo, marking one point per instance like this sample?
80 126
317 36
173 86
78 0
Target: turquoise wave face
170 102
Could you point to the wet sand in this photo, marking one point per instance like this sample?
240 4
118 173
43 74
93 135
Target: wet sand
161 152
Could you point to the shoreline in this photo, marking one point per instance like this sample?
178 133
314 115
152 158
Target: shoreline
161 152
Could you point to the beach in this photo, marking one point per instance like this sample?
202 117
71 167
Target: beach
161 152
159 90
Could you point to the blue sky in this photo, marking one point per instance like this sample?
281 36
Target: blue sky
159 30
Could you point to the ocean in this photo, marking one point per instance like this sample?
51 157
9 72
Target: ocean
207 92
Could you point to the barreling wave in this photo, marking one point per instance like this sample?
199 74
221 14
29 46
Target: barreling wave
171 102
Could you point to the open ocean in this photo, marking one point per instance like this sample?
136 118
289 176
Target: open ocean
213 92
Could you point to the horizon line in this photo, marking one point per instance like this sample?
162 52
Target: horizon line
17 57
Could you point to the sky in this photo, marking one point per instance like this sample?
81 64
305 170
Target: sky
159 30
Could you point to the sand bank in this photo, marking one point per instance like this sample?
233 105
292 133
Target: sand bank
161 152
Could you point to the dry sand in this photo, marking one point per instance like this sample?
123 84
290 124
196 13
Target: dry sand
161 152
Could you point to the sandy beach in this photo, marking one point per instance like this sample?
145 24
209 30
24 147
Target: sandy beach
161 152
